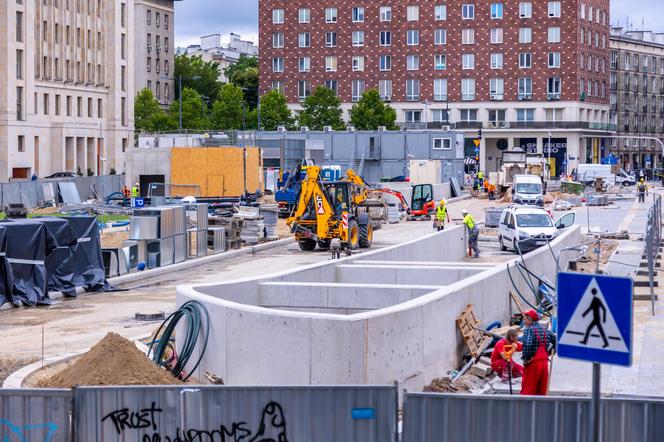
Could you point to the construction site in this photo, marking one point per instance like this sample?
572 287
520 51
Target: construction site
204 296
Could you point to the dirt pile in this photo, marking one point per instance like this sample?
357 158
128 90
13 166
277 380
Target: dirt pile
112 361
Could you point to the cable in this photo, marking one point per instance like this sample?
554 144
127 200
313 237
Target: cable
543 311
191 310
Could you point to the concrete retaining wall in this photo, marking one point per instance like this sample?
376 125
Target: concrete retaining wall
410 342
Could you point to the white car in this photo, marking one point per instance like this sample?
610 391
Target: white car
526 228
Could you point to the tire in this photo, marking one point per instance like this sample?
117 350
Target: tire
502 246
324 244
353 235
307 244
366 236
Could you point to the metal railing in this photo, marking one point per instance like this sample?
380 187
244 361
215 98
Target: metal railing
652 242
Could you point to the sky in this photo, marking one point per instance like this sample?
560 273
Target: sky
195 18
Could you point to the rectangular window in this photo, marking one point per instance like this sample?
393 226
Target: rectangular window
496 11
553 89
554 59
46 103
525 35
90 109
525 88
358 63
413 13
440 37
496 116
496 35
467 89
278 85
331 63
412 62
303 15
100 108
525 10
19 26
19 64
21 143
468 36
358 38
385 38
304 64
330 15
442 143
358 14
385 89
386 13
278 40
496 88
332 85
412 37
68 106
468 61
278 64
525 60
468 11
440 62
439 115
357 89
554 35
330 39
525 115
304 40
497 60
385 63
554 9
412 90
57 104
440 12
19 104
440 89
413 116
303 89
277 16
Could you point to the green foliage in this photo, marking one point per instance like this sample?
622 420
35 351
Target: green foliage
274 111
227 110
193 110
370 112
244 74
149 116
188 67
322 108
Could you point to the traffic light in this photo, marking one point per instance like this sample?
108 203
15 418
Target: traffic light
477 159
479 133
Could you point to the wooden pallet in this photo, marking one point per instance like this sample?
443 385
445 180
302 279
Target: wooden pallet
475 340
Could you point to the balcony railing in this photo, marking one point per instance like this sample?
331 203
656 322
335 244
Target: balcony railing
504 125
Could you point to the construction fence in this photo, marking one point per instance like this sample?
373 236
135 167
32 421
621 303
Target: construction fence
652 242
312 414
44 191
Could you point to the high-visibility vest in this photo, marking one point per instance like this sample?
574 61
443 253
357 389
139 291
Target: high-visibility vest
134 192
469 221
480 175
441 213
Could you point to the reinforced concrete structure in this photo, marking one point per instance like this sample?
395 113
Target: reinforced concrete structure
67 86
378 317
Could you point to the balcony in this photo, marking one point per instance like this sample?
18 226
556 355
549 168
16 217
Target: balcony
468 125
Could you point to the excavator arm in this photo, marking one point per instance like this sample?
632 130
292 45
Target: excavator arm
362 193
312 196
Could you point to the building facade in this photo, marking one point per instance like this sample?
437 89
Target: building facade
224 54
67 86
529 74
637 97
154 39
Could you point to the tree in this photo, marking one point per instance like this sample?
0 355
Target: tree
322 108
227 110
148 115
193 110
188 67
274 111
370 112
244 74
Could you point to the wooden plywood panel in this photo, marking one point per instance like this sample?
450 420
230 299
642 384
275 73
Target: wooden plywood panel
218 171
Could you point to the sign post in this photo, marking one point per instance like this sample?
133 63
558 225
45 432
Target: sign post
595 325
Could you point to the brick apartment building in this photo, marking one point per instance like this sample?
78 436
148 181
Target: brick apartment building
522 72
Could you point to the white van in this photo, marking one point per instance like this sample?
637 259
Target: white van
587 173
527 189
526 228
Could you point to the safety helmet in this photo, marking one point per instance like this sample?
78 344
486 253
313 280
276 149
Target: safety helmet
464 211
442 202
136 184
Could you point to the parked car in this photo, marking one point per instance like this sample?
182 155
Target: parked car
62 175
527 228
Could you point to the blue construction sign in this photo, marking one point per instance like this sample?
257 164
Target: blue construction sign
595 318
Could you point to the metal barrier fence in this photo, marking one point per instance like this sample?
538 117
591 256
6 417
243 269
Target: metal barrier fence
35 415
652 242
34 193
454 417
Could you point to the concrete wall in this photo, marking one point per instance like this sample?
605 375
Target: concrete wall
410 342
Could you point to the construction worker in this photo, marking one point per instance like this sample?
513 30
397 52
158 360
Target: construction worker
441 216
492 191
480 175
502 359
134 194
473 233
642 188
536 342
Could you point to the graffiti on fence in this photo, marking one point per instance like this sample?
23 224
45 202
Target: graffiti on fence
272 427
27 433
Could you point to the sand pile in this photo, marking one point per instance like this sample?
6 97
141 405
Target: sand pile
112 361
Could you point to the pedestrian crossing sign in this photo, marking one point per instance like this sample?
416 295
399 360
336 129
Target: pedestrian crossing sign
595 318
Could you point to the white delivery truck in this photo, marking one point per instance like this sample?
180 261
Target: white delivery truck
528 190
587 173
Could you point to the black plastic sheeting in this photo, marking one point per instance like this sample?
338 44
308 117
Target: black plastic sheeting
60 261
87 259
6 279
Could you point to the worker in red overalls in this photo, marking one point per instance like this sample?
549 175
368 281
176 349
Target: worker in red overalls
501 359
536 342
